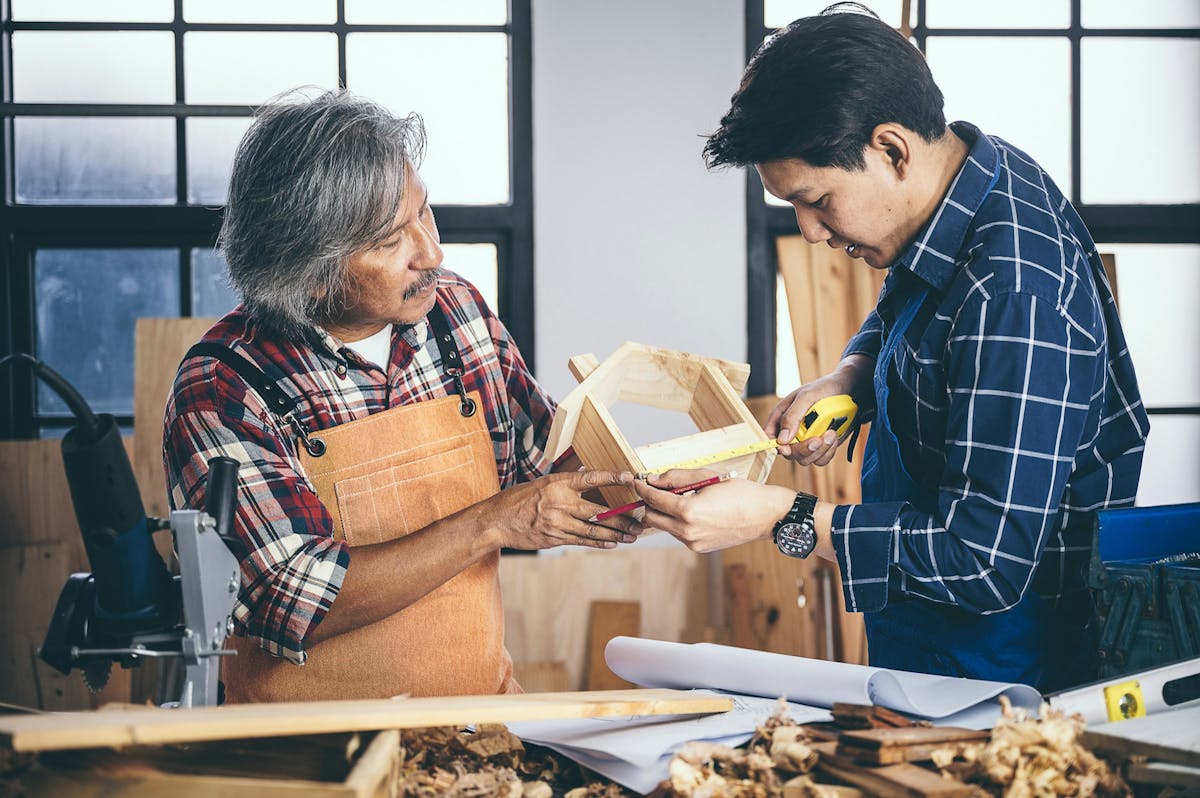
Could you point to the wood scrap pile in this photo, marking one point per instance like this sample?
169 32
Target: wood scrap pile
1030 757
779 752
491 761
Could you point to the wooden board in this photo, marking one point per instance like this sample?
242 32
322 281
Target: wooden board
548 596
542 676
152 726
1170 736
829 295
609 619
158 347
908 744
40 546
314 767
892 781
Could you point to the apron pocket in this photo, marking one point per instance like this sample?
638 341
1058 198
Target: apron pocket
397 501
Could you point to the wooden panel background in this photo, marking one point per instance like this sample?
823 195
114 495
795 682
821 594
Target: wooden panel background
158 346
40 546
829 295
548 597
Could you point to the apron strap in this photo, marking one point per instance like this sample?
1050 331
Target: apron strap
451 360
280 404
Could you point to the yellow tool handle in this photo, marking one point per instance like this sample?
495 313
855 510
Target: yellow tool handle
835 413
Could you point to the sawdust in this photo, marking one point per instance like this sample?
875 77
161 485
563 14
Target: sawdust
1031 757
778 751
491 761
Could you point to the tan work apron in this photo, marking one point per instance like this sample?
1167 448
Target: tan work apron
383 477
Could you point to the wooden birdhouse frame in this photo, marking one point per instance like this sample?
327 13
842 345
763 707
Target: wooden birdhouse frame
707 389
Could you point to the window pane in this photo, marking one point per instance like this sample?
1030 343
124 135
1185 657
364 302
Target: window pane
422 12
211 293
777 13
229 68
92 11
94 161
787 366
1142 14
1157 288
477 264
459 83
1010 14
211 143
93 67
1170 467
318 12
1141 109
1016 88
86 303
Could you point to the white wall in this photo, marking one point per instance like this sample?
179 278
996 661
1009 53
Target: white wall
634 239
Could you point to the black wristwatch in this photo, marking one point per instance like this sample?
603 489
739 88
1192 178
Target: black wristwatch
795 534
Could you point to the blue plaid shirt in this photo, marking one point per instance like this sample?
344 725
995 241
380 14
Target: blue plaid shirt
1012 396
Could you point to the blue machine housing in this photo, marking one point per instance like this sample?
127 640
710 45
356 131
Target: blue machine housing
1145 582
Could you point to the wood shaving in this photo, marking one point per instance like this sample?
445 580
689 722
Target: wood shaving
1033 758
778 750
491 761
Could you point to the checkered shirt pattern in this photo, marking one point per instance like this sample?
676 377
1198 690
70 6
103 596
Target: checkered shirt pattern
1012 396
294 567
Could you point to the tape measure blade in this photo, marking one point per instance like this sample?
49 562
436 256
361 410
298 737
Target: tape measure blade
719 457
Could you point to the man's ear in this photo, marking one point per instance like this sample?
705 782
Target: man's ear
894 144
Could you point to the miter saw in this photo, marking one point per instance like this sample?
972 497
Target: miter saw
130 607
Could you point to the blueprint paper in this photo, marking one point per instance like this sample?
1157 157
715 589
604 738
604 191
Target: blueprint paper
656 663
636 751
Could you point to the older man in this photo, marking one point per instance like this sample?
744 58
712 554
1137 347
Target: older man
390 436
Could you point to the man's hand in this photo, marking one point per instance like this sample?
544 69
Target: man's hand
716 517
784 421
550 511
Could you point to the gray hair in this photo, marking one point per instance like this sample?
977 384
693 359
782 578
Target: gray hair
314 181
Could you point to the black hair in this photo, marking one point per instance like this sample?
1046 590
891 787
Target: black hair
818 88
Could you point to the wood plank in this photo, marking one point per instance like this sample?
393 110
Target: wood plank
907 744
801 787
375 771
866 716
152 726
581 366
911 735
158 347
892 781
609 619
89 784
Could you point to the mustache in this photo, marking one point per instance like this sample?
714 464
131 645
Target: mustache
428 279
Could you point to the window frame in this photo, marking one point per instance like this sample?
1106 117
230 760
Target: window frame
1109 224
184 226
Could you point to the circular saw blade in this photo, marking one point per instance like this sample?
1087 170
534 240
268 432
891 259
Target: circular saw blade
95 674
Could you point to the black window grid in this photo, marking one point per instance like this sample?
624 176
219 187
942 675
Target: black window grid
24 228
1109 224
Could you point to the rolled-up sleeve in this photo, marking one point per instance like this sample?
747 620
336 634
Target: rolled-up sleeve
294 567
1019 374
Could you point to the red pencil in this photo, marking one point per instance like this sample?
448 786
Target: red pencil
625 508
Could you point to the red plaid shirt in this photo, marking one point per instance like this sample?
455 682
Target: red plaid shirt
294 568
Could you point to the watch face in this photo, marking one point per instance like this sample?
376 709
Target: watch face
796 540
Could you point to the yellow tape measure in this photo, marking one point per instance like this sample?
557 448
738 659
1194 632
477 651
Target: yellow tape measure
835 413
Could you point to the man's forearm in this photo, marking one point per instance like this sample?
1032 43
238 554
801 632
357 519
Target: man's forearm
384 578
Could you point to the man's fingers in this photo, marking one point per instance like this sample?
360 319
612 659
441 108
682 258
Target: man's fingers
662 500
680 477
586 480
598 535
772 425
